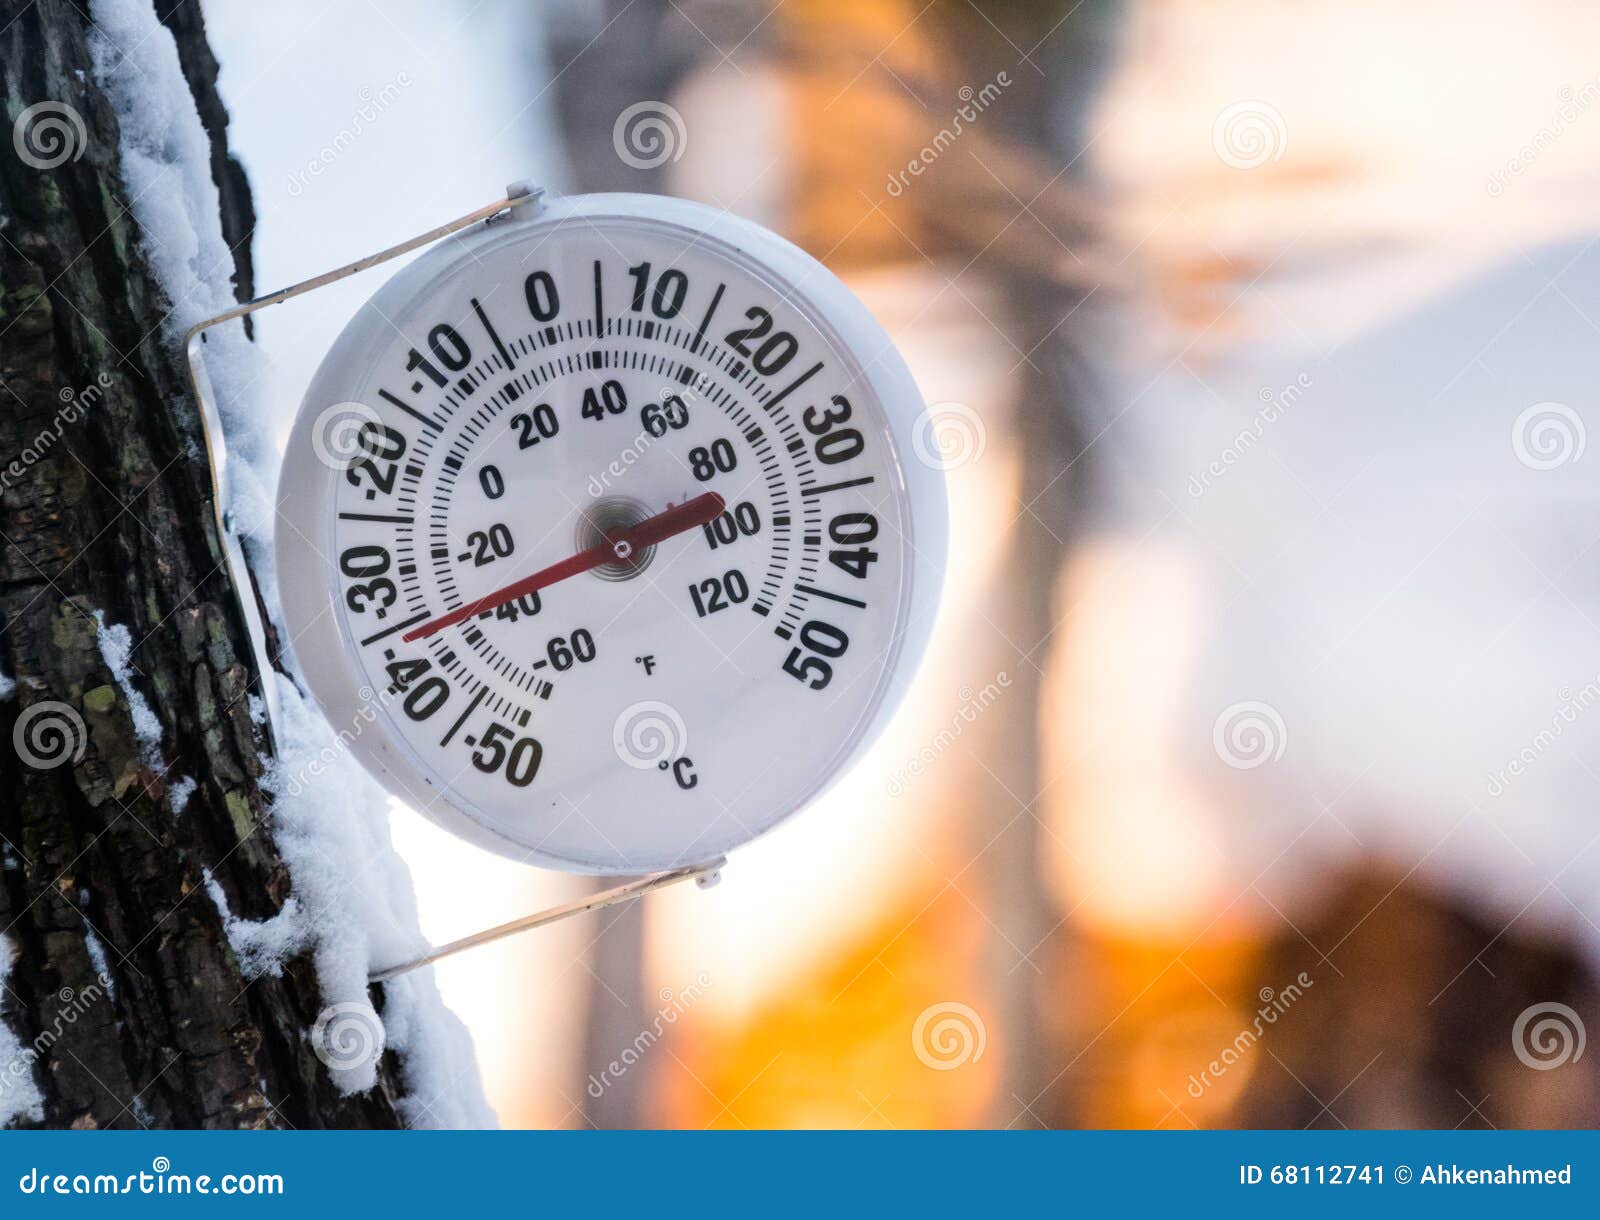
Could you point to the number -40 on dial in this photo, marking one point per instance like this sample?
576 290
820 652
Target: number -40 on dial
599 521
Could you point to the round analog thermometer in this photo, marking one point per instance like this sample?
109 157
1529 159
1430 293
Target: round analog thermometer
597 523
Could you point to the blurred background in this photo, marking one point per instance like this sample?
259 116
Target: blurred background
1251 778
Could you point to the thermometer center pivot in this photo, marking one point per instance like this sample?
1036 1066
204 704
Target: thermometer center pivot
602 521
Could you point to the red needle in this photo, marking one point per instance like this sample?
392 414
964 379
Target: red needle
619 544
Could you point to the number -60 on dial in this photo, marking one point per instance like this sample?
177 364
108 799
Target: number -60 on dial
604 520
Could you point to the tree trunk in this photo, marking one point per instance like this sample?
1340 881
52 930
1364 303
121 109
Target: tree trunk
105 513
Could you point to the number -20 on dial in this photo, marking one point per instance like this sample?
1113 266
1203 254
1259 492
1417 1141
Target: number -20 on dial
599 520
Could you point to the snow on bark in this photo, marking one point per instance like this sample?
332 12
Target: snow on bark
116 648
263 945
99 960
19 1095
353 901
179 791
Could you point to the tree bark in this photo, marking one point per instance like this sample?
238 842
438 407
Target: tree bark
105 509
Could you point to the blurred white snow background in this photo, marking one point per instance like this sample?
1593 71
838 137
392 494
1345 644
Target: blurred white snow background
1345 556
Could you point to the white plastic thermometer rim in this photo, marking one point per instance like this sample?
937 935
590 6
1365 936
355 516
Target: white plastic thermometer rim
309 582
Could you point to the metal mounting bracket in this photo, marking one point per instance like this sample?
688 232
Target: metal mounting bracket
521 199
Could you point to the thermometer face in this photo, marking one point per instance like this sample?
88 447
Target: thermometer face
596 534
